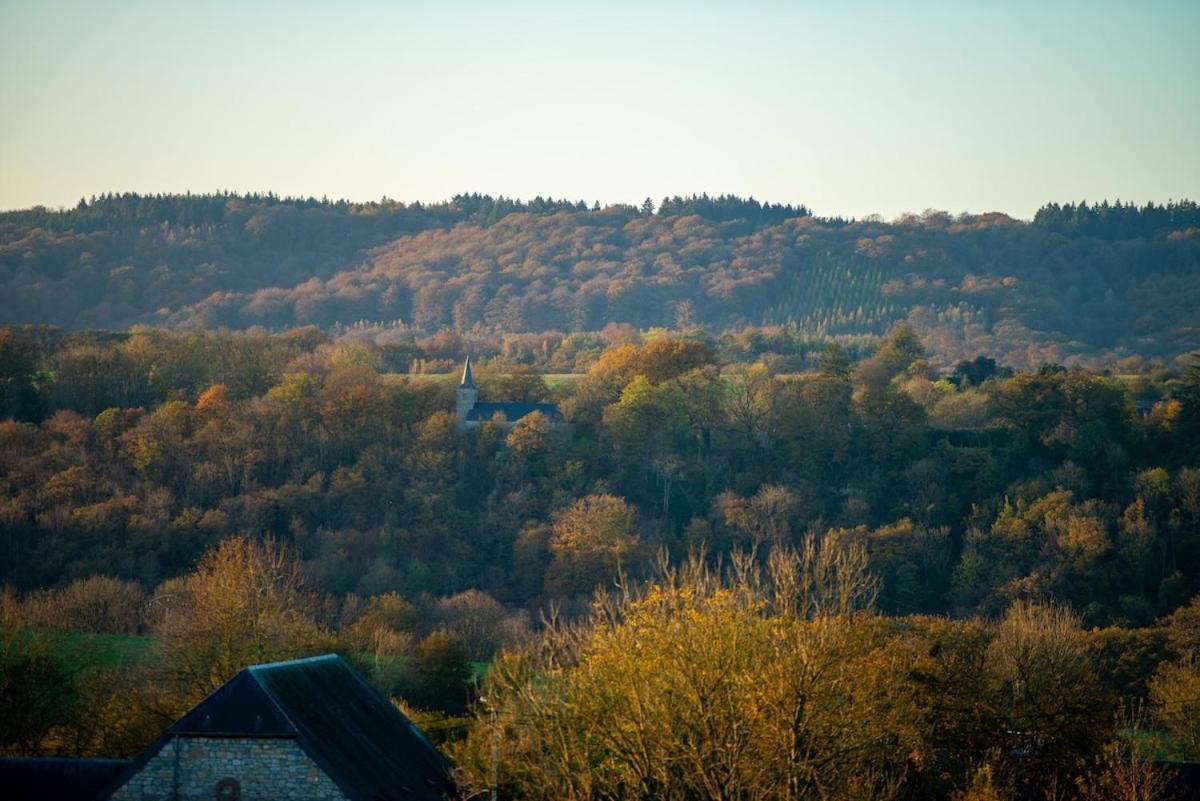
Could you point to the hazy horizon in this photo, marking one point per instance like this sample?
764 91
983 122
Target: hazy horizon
855 110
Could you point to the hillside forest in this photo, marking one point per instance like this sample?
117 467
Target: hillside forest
837 509
1078 284
1006 561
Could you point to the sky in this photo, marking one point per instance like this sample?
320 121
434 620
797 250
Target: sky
851 108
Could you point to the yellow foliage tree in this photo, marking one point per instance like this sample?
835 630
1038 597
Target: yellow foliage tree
247 602
744 683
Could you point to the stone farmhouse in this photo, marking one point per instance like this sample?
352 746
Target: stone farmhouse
310 729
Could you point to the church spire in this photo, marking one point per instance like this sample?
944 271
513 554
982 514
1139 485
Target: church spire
466 394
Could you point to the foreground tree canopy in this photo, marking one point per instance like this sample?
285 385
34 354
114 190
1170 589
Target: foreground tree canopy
778 682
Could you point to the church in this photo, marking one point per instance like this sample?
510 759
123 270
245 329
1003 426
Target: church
472 413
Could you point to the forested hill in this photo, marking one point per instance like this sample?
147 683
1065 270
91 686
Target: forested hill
1078 282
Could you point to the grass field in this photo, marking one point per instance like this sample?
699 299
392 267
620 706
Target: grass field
557 380
107 650
81 650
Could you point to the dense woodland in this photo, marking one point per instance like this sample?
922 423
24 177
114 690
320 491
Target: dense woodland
130 455
1006 561
1079 284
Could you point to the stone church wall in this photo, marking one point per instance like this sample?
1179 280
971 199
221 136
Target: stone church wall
200 769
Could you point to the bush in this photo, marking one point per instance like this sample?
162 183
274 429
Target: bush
479 621
102 605
99 605
37 693
1175 693
439 675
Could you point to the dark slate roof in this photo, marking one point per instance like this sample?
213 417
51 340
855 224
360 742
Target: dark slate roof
356 735
60 779
468 380
240 707
512 412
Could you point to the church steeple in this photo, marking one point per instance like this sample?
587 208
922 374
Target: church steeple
468 380
466 395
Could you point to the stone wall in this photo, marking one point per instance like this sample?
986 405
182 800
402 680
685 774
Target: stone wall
265 769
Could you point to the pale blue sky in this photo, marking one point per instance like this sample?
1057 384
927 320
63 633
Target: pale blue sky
849 107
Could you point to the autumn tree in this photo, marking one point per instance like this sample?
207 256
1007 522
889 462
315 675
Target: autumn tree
439 674
530 441
1047 696
765 519
593 538
1068 415
709 684
479 622
99 604
248 602
508 382
1175 694
899 351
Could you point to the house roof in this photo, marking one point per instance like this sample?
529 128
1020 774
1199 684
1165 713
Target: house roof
240 707
364 744
513 412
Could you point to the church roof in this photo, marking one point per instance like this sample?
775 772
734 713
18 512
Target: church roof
364 744
513 412
468 380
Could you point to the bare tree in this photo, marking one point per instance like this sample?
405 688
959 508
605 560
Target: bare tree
248 602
